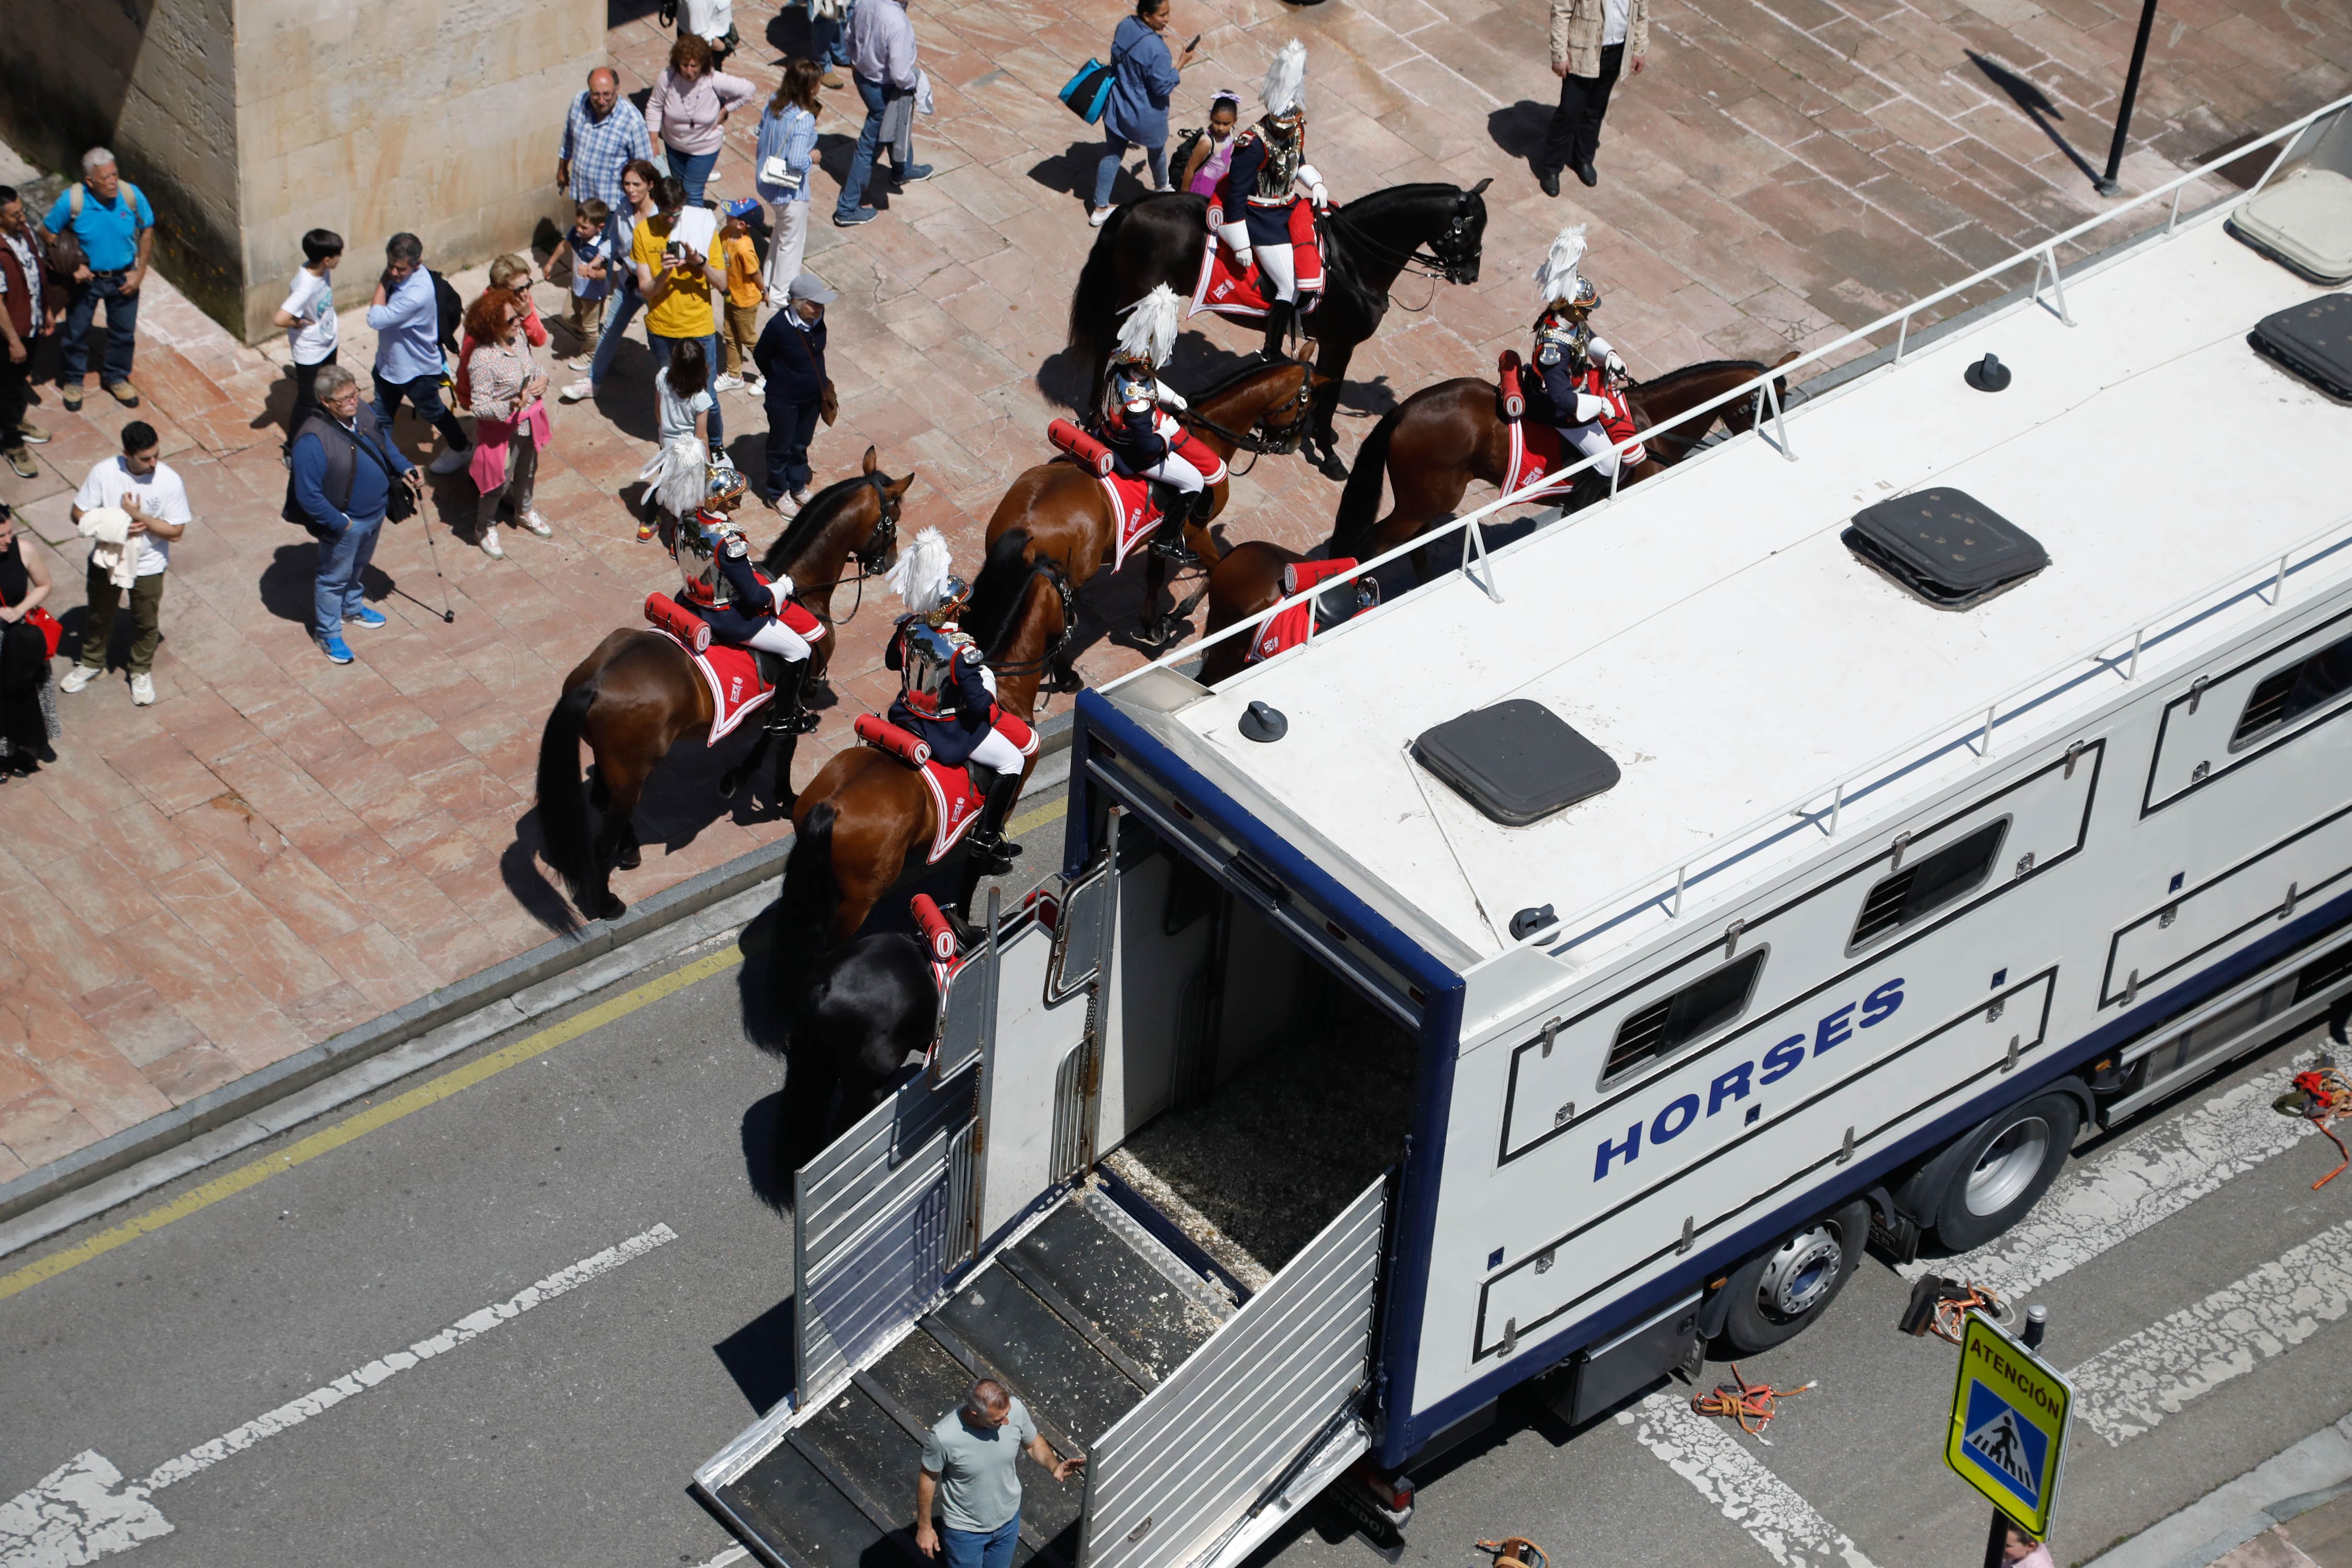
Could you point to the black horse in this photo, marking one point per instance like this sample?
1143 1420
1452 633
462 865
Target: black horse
1365 245
855 1016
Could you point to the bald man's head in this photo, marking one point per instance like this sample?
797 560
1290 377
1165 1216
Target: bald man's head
604 90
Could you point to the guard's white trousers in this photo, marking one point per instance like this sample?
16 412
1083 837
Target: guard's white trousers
995 752
1173 470
779 638
1592 441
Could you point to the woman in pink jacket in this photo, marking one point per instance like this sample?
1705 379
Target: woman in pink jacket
688 110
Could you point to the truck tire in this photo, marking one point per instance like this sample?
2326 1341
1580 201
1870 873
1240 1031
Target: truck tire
1776 1294
1986 1182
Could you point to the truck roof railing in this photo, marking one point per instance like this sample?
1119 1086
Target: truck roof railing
2119 656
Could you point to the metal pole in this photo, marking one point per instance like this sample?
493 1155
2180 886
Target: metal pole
2037 1323
2107 185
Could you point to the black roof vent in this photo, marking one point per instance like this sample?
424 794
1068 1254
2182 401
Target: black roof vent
1945 546
2314 340
1516 761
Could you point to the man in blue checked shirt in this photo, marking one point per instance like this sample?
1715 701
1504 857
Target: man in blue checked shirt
601 134
407 323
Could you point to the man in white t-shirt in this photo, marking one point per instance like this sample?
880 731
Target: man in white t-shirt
308 318
140 483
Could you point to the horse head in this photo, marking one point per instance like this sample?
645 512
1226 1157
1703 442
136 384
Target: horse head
837 525
880 550
1458 245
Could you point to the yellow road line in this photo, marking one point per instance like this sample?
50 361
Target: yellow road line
366 1122
1037 818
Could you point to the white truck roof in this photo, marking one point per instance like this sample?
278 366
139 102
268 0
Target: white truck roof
1710 631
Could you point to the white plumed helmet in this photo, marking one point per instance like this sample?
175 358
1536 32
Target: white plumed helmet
1286 80
1148 333
921 577
1559 278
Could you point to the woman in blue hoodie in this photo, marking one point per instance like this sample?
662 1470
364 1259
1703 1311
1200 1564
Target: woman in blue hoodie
1143 75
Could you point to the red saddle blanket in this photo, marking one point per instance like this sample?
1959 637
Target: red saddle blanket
1229 291
737 690
1289 628
955 799
1129 497
1538 448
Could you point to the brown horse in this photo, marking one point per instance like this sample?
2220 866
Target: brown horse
1262 407
638 694
882 815
1430 447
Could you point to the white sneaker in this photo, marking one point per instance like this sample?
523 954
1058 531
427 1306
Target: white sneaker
491 546
537 524
803 496
578 390
757 385
1099 217
452 460
142 690
77 678
728 384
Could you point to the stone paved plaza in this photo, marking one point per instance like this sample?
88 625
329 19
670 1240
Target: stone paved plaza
282 848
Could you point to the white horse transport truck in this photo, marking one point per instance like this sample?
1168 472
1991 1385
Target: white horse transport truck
1554 969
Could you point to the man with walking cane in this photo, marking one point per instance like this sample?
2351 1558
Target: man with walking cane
347 480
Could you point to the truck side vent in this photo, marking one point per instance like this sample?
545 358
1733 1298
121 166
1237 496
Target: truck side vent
2286 695
1945 547
1928 883
1698 1009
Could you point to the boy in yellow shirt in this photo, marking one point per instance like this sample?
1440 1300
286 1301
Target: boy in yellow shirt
746 291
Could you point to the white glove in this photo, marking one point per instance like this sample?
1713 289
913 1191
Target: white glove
1321 197
780 585
1589 407
1615 367
1170 397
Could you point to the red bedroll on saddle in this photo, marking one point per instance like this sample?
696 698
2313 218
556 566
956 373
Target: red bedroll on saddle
1229 292
1288 629
937 934
1514 401
1075 443
678 621
884 736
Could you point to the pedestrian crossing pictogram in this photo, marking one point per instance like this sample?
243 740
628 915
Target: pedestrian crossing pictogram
2009 1447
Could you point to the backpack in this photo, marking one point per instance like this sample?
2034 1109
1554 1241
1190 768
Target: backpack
448 307
1181 158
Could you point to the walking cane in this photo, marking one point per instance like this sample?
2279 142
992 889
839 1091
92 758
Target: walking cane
445 611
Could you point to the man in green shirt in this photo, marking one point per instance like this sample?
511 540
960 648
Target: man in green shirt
969 1472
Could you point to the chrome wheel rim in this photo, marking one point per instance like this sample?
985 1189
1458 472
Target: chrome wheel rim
2008 1165
1799 1274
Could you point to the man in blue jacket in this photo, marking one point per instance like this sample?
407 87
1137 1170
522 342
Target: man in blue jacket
344 470
790 354
407 321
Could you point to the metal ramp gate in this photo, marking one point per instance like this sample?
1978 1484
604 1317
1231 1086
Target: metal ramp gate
1204 1425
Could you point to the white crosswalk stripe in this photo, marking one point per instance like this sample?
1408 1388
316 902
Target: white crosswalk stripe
2132 1384
1783 1523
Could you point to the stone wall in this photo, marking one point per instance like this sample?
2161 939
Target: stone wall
439 117
248 121
156 82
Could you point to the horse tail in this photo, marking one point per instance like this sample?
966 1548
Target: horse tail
569 846
1359 503
1094 304
805 909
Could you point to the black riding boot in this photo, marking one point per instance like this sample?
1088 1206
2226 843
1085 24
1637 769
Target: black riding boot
1280 314
788 711
989 850
1175 515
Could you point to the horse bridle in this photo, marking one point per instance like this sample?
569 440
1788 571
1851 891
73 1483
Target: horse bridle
873 556
1266 439
1045 661
1424 258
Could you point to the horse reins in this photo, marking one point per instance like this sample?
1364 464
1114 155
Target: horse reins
1273 444
1045 661
879 542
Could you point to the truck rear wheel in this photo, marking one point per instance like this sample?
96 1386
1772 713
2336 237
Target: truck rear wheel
1775 1295
1985 1183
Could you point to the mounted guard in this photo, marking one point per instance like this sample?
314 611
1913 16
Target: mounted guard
1583 381
740 606
1261 208
1145 438
947 694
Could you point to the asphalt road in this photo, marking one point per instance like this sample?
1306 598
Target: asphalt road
564 1427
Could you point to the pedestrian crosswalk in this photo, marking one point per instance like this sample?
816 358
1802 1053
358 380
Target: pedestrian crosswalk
2122 1392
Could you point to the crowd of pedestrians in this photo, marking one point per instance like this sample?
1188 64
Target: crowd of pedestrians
717 276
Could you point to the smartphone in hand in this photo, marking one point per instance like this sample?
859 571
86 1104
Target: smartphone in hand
1193 45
